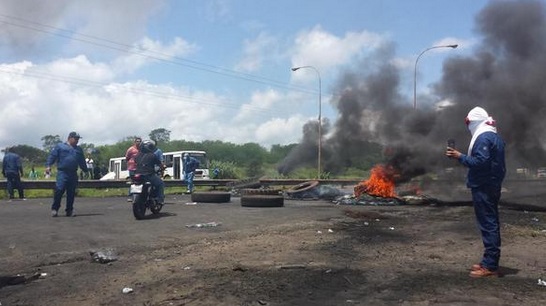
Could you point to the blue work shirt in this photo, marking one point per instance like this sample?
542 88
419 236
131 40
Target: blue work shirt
486 166
67 157
190 164
11 163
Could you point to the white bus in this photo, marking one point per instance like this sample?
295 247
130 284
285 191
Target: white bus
117 167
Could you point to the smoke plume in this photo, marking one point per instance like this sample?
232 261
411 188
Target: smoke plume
505 75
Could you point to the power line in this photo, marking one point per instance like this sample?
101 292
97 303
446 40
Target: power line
113 45
184 98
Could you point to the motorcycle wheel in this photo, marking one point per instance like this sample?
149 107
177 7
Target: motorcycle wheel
139 206
156 207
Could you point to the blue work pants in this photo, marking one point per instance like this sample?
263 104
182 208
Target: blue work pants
14 182
486 207
66 181
188 177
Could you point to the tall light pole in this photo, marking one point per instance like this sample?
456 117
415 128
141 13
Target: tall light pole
415 71
319 116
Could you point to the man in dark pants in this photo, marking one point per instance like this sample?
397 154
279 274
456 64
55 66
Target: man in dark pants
12 169
68 157
486 171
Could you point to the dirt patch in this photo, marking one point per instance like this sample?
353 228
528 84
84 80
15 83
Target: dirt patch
403 255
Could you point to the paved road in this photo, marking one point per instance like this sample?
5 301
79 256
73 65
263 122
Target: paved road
28 230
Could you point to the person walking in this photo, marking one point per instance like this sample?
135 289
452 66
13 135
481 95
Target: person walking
130 156
190 165
12 170
68 157
486 171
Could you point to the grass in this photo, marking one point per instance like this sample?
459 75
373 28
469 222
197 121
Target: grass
100 192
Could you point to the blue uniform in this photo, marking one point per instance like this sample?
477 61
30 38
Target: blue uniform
486 171
190 165
68 159
12 169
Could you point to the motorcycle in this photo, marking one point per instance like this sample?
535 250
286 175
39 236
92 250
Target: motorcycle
143 197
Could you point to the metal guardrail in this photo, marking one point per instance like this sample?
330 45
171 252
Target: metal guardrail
50 184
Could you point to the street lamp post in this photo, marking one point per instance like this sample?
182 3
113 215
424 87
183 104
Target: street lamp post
319 117
415 71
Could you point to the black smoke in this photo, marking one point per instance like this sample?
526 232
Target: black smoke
505 74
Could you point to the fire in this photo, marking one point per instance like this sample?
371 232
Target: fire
380 183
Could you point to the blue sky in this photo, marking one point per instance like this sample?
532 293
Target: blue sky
205 70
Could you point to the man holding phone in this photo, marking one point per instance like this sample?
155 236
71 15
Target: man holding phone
486 171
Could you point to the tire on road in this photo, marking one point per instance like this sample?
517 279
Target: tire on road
305 186
139 206
251 191
211 197
262 201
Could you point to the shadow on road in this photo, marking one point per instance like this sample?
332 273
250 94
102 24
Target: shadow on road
159 215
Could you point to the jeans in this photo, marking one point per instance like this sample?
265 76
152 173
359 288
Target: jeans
486 207
188 177
66 181
159 186
14 182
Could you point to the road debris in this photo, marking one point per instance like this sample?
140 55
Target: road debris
127 290
201 225
103 256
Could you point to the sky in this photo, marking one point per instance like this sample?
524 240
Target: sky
210 69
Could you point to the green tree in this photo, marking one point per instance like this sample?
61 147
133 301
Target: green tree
50 141
30 154
160 135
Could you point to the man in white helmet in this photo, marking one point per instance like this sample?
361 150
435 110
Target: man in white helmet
486 171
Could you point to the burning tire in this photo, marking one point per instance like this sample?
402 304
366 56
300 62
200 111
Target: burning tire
250 191
303 190
262 201
211 197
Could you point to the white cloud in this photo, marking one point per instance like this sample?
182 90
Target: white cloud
282 131
256 51
325 50
147 51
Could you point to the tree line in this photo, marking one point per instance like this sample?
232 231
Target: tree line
234 160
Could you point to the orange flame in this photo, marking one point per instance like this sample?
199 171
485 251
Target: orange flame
380 183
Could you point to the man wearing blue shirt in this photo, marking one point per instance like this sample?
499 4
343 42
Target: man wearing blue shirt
190 164
68 157
12 169
486 171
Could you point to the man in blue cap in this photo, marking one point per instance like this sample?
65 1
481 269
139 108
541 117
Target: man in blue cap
68 156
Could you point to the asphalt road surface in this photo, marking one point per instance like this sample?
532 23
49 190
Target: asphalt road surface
28 228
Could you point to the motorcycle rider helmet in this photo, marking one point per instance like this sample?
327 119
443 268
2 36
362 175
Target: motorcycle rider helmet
147 146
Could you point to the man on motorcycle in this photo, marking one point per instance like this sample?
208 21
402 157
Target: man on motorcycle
146 162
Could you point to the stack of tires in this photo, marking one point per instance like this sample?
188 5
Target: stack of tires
262 198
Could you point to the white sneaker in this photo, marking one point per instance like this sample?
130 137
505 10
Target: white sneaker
54 213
